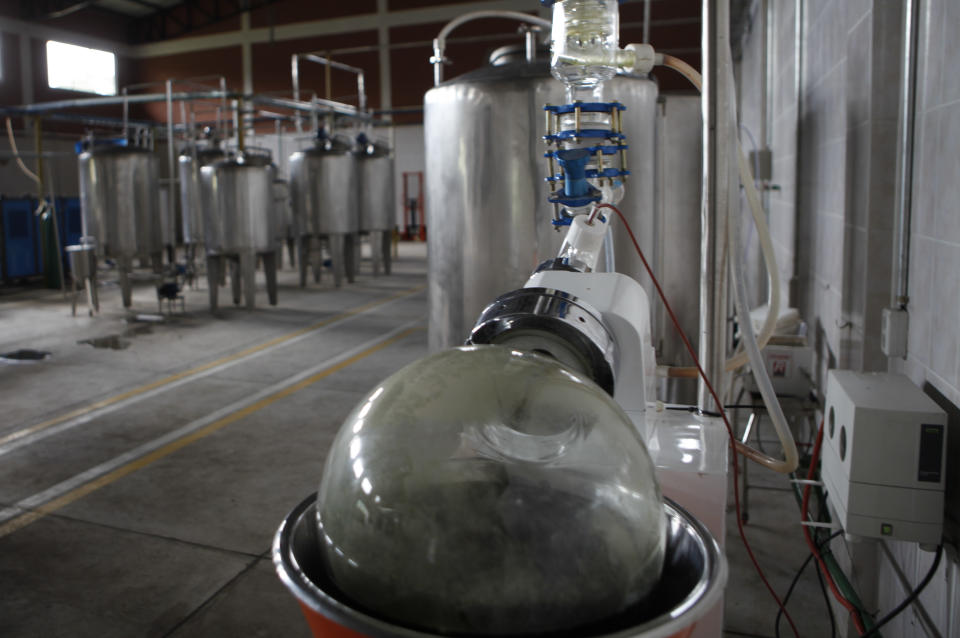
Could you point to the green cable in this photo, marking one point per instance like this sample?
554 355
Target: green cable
836 572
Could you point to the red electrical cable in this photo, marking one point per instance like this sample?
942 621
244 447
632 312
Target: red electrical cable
854 613
723 414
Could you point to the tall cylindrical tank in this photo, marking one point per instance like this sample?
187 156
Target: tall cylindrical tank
242 215
119 200
324 186
286 225
325 193
488 217
192 204
241 223
377 193
377 199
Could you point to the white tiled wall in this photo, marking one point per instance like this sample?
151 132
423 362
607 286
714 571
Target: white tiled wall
832 216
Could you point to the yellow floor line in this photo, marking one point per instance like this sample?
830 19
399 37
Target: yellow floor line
206 366
66 499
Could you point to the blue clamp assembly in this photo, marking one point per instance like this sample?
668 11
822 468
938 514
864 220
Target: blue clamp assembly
576 190
581 151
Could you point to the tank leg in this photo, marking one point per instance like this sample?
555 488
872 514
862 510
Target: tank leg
316 258
270 261
248 267
213 279
291 250
375 252
303 252
156 262
350 255
357 252
386 241
171 254
236 282
337 242
73 297
126 287
92 282
91 292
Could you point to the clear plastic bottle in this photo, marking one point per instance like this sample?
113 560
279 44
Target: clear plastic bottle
585 44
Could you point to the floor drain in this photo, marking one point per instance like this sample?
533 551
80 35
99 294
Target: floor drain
24 355
113 342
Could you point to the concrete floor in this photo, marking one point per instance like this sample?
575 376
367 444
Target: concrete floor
140 487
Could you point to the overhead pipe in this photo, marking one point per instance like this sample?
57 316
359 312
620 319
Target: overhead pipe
115 100
900 296
329 64
440 42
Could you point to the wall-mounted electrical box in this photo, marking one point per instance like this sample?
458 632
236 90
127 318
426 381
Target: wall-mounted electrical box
884 456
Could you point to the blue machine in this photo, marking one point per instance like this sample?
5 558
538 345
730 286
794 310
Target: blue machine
20 232
69 219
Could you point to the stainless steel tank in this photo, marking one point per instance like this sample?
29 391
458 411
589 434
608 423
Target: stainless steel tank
377 200
287 227
324 189
119 200
241 224
488 219
677 241
192 202
242 216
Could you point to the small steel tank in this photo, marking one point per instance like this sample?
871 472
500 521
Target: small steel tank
192 203
119 200
487 210
325 192
287 228
241 224
377 199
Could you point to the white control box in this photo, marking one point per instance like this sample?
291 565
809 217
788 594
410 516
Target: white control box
884 456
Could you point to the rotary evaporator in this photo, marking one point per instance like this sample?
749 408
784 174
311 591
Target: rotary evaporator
527 483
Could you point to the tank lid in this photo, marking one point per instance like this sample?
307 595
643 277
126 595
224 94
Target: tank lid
517 54
254 156
93 144
203 152
367 148
327 144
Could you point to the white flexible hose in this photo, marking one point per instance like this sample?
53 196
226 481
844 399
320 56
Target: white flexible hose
752 348
752 352
756 210
769 260
16 154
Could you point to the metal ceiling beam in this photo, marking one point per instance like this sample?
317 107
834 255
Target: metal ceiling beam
184 17
332 26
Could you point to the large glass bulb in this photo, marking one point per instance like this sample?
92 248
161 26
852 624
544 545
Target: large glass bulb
483 491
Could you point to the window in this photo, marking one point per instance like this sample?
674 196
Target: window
81 69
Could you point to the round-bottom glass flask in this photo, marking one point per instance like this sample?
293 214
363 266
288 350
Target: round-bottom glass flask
483 491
